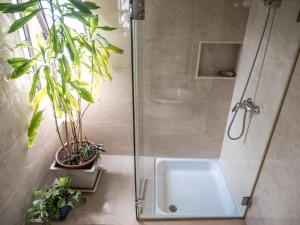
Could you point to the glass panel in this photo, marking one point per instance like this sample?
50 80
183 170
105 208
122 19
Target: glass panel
242 159
181 102
188 56
137 70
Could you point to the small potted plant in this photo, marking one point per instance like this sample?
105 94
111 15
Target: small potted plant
54 202
66 70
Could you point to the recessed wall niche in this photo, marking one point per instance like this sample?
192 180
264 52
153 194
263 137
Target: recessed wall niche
214 57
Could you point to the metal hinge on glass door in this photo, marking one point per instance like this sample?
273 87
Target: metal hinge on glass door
140 200
139 203
247 201
137 9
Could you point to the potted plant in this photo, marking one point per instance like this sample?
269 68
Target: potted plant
82 177
67 69
54 202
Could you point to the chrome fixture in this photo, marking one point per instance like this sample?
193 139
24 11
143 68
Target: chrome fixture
248 104
173 208
247 201
137 8
272 3
139 202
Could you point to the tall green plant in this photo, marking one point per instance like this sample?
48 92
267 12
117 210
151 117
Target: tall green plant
60 60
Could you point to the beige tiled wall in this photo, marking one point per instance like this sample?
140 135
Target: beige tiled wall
109 121
241 159
276 197
22 170
194 126
173 30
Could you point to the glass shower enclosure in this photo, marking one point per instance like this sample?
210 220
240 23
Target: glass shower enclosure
186 58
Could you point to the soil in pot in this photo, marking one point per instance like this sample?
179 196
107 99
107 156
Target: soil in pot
82 158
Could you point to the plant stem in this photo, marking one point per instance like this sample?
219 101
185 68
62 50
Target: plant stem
56 125
52 13
74 135
44 16
80 122
66 130
85 110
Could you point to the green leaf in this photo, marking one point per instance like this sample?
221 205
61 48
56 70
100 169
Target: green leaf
107 28
20 7
110 46
64 181
34 85
81 83
37 202
70 51
71 191
39 98
41 45
70 203
61 203
70 44
67 108
94 24
4 6
47 194
24 68
62 74
57 107
17 61
49 80
83 43
54 213
34 126
91 5
25 45
67 68
80 6
72 100
36 193
54 40
22 21
77 15
82 92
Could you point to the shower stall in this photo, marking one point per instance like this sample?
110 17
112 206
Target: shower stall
198 67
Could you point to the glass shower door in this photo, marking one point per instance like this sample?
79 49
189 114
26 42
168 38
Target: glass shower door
187 56
181 103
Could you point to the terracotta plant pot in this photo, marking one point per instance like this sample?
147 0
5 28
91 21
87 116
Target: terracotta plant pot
86 164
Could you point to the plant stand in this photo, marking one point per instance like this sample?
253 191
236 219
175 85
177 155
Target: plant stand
85 180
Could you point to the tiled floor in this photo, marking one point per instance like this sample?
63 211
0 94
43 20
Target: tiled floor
113 203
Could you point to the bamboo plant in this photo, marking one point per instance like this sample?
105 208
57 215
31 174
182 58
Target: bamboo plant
61 59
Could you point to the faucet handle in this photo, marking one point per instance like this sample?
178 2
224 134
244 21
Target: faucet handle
237 107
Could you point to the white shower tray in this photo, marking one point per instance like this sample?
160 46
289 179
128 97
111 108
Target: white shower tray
192 188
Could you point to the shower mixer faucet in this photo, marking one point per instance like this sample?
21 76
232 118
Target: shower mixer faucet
248 105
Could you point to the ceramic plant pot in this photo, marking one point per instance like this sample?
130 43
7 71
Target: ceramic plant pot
63 212
81 178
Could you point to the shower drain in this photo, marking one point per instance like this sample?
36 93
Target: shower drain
173 208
